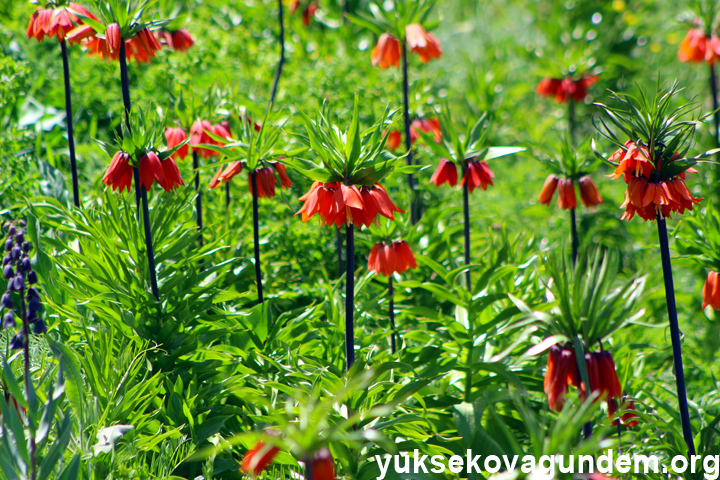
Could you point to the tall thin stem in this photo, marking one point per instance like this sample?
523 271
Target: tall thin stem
140 192
281 62
571 120
414 201
227 196
391 313
26 354
716 132
583 374
573 232
466 229
256 236
308 469
69 120
148 241
339 245
198 198
125 84
675 334
349 297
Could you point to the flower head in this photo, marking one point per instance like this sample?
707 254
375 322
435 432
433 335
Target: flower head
423 43
566 194
588 192
477 174
565 88
265 179
548 190
258 458
561 372
174 137
199 136
711 291
386 53
323 467
697 47
389 259
394 139
178 40
340 204
57 22
119 174
285 181
113 37
445 173
427 126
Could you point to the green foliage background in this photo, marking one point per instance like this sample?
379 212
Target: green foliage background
208 363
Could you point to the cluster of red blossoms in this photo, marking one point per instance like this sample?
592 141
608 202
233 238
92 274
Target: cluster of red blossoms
562 372
389 259
141 47
308 12
698 47
387 51
566 192
119 174
645 195
178 40
711 291
340 204
261 455
477 174
423 124
564 88
57 22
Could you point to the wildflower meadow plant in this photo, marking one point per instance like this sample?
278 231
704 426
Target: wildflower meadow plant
569 166
346 189
400 29
471 153
653 161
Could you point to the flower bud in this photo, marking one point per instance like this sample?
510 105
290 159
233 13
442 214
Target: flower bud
113 37
19 281
8 271
25 263
32 293
8 244
26 247
12 230
6 301
39 327
9 320
19 238
32 277
17 342
15 253
6 260
34 305
23 223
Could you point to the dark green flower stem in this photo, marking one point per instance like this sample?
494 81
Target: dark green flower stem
140 192
414 200
675 334
256 236
391 314
69 120
574 235
582 370
339 246
716 130
28 379
466 229
349 296
198 198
